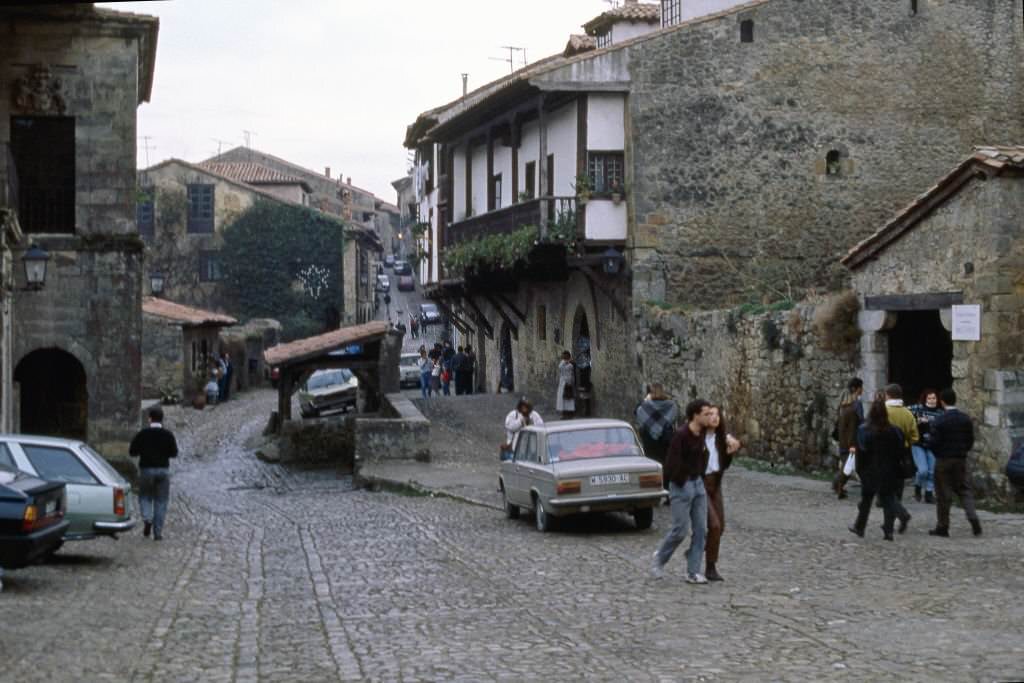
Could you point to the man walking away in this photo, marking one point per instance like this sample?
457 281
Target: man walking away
468 368
656 417
950 438
686 462
904 420
154 446
458 363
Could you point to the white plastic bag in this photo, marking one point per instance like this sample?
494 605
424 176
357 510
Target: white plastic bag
851 464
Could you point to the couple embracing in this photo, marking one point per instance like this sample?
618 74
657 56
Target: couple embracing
699 453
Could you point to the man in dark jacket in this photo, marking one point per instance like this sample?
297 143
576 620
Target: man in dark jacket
950 438
458 371
685 462
154 446
468 368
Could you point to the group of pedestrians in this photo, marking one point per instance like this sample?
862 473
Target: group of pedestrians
443 366
218 386
694 459
927 442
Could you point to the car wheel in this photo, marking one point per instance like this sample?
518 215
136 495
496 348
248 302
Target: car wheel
543 519
53 551
511 511
643 518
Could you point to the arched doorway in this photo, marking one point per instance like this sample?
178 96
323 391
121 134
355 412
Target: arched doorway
581 353
54 397
506 377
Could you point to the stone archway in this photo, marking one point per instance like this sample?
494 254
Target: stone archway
54 395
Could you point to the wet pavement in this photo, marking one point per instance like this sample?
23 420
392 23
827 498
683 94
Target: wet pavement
276 574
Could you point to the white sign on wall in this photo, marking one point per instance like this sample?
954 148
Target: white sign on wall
967 322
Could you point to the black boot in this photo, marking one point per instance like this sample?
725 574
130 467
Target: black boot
917 493
975 526
929 497
939 531
904 520
856 530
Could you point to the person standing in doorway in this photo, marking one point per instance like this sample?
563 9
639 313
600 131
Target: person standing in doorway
687 461
154 446
721 447
656 418
879 448
950 438
565 396
926 410
851 417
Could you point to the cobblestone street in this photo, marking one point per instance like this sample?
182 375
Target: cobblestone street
273 574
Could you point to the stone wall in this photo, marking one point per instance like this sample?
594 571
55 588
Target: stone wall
401 433
730 181
163 360
328 440
779 390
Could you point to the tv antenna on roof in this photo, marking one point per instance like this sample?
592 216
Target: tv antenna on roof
146 146
511 60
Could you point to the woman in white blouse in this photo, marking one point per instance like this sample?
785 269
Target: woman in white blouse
721 446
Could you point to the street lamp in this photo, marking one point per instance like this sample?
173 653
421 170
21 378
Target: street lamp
611 261
156 283
35 260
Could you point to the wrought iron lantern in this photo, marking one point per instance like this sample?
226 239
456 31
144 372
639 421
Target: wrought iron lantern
156 283
35 260
611 261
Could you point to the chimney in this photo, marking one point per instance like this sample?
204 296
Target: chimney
465 84
327 171
348 181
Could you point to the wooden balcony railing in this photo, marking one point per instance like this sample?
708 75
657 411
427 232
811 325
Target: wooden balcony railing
541 212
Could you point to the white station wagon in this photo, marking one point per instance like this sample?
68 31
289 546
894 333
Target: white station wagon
578 466
98 498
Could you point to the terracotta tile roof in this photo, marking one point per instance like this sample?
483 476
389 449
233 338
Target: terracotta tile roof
186 315
579 43
304 349
252 173
630 11
985 161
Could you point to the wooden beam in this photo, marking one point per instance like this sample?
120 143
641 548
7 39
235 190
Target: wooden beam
511 306
913 302
504 316
606 290
463 326
481 319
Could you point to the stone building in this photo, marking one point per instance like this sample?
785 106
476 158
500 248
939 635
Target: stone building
942 292
71 79
178 347
408 217
753 144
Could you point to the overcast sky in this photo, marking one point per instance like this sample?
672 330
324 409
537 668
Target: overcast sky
330 82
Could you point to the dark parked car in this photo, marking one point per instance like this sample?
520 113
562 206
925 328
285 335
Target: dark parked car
389 261
32 523
403 268
406 283
429 315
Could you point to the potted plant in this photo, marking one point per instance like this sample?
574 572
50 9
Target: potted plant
584 188
524 197
617 190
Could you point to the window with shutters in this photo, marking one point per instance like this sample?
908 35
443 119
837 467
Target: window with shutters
200 208
211 268
606 171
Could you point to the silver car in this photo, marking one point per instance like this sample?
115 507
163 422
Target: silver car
577 466
408 371
98 498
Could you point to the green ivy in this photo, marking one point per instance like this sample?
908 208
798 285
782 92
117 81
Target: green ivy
492 251
269 254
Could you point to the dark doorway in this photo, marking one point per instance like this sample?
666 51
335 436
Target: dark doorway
507 376
920 353
581 355
54 398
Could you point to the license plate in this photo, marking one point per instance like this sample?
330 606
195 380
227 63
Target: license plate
604 479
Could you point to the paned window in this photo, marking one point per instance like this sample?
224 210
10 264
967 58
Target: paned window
144 213
496 191
43 153
200 208
671 12
606 171
605 39
211 268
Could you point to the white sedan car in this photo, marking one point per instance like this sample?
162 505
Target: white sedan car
577 466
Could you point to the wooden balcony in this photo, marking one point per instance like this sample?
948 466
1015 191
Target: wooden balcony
541 212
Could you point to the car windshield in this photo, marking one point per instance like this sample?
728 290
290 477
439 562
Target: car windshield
409 360
598 442
327 378
428 308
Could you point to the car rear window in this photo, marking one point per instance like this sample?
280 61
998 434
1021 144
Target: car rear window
583 444
101 464
5 457
319 380
58 464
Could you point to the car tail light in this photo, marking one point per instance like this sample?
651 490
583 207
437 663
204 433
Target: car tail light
568 487
119 502
30 518
650 481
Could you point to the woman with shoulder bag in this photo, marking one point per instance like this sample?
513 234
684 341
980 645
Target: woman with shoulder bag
879 453
851 415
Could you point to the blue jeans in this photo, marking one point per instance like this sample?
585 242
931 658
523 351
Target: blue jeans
924 459
154 492
425 384
689 507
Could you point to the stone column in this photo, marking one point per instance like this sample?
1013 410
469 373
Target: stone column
874 350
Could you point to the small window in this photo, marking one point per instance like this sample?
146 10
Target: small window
6 460
496 192
604 40
606 171
530 186
833 163
144 213
200 208
913 8
671 12
58 464
542 323
747 31
43 153
211 268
